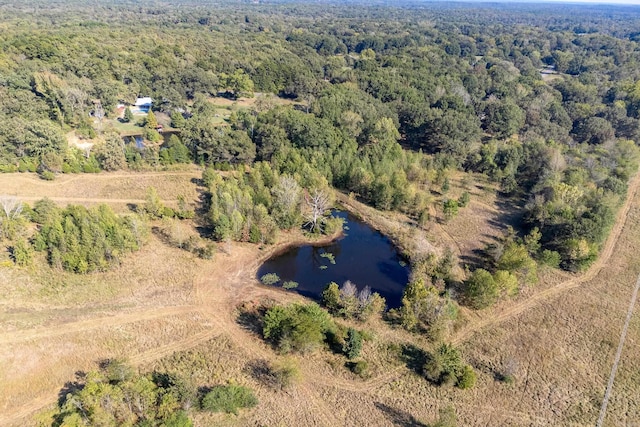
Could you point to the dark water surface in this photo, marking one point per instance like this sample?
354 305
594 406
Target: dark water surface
364 256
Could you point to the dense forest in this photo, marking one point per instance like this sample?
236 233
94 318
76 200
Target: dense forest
384 102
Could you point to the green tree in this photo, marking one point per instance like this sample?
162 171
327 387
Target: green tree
331 297
128 115
151 122
353 344
22 253
450 209
153 205
177 120
481 290
110 153
297 327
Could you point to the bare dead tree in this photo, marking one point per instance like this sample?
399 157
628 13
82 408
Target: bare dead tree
76 98
348 290
99 114
287 193
11 206
364 296
317 202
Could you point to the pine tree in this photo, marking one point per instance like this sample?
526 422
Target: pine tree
128 115
152 122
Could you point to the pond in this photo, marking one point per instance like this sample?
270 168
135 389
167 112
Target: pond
363 255
138 140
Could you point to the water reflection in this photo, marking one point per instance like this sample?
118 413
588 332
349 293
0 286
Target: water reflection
364 256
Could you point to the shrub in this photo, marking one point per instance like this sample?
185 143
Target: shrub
467 378
481 290
550 258
464 199
47 175
360 368
297 327
286 373
22 253
445 367
353 344
229 399
207 251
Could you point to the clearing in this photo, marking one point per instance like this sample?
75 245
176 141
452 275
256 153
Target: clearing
165 309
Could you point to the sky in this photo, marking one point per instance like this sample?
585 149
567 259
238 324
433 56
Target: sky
629 2
623 2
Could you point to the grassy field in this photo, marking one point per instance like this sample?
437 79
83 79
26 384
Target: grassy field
165 309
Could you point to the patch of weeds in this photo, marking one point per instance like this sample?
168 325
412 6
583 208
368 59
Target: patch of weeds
329 256
290 284
360 368
270 279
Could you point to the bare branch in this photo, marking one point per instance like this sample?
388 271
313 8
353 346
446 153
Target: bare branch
317 203
11 206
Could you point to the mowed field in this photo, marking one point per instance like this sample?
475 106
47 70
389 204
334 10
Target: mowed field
165 309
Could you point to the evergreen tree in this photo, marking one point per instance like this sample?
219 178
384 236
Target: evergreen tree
128 115
152 122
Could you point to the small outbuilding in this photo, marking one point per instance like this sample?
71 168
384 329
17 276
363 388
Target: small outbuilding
144 104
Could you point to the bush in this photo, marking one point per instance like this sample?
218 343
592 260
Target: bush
360 368
550 258
167 212
445 367
353 344
47 175
464 199
22 253
286 374
467 378
297 327
229 399
481 289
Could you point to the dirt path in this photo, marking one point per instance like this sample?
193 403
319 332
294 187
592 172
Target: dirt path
223 284
590 274
94 323
90 200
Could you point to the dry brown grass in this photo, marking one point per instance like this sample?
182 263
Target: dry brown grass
115 188
165 309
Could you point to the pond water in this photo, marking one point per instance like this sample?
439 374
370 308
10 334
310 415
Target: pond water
363 255
138 140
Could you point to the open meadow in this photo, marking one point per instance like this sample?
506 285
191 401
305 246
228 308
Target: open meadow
165 309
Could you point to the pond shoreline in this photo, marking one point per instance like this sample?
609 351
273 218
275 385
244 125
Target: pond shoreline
364 256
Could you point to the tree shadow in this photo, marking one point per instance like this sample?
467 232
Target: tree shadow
399 417
71 387
202 392
414 357
263 372
133 207
251 316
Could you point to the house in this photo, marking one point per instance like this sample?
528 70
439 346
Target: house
143 105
